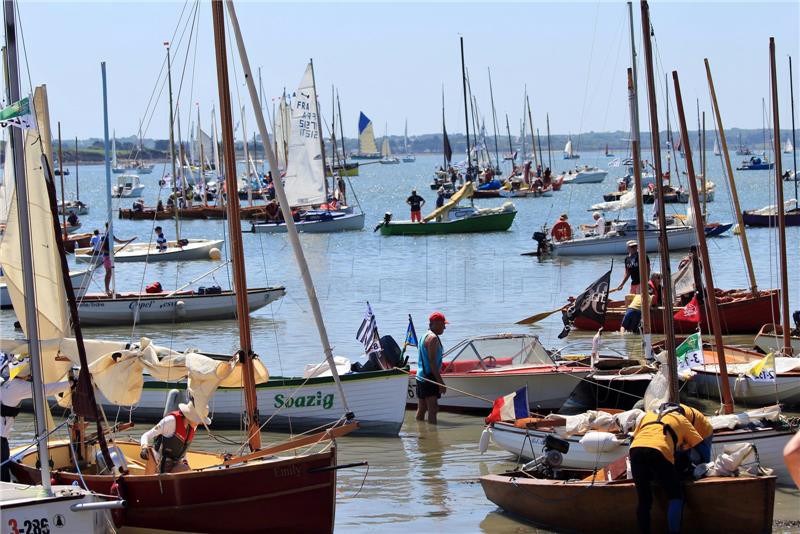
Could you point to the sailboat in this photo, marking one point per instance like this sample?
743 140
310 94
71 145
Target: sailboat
305 182
788 147
569 153
367 149
716 148
608 154
386 151
221 493
742 149
408 157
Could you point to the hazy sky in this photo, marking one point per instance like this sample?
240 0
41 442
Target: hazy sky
391 59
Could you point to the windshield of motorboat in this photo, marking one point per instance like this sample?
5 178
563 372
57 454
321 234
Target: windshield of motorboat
500 351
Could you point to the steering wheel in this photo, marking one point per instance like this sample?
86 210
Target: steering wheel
492 362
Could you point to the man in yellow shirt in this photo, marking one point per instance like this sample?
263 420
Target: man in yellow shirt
656 440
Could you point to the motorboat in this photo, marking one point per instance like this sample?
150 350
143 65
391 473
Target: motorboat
584 175
755 163
128 185
615 240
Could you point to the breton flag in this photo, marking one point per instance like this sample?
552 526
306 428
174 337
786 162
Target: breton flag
18 114
764 369
511 407
368 332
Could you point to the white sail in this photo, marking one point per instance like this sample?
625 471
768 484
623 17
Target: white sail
788 147
366 136
114 151
7 185
405 138
281 133
716 148
386 150
568 148
51 302
305 178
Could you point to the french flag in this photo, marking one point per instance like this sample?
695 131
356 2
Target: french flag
511 407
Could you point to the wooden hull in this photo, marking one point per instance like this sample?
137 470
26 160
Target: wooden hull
147 214
286 494
350 169
770 221
724 505
497 222
77 241
744 316
100 310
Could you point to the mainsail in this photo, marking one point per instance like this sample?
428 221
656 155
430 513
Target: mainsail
201 139
305 178
282 130
51 303
386 150
366 136
568 148
788 147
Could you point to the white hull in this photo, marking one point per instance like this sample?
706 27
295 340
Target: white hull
24 508
127 192
351 221
389 161
586 177
80 283
768 341
527 443
547 390
154 308
71 206
785 389
679 238
376 398
196 249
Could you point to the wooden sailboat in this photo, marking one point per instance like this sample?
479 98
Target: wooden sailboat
386 151
367 149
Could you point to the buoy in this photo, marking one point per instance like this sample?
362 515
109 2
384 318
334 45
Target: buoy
214 254
737 230
483 444
180 307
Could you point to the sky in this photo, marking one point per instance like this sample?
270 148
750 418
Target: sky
392 60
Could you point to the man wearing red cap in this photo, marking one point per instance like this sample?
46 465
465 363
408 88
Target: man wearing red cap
430 386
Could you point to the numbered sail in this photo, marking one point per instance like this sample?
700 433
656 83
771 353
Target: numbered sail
366 136
305 178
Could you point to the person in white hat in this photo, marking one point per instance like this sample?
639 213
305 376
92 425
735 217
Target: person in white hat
632 268
172 437
15 386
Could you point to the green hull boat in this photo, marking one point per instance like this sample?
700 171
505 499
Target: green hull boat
494 222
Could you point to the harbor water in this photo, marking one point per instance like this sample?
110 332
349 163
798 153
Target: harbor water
427 479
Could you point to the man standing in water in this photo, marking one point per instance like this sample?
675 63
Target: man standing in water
416 202
430 385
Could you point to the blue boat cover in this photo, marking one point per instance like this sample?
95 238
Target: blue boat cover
490 186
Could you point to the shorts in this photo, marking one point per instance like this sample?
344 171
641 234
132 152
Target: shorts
107 262
632 320
427 389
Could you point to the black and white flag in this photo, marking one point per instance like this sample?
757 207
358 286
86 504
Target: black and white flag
368 332
592 304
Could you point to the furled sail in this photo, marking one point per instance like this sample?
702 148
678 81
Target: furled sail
366 136
281 134
305 178
51 300
114 150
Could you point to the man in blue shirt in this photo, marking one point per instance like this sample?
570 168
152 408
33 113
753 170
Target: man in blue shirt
430 385
161 241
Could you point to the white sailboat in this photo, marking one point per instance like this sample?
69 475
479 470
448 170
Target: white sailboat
408 157
304 180
386 151
716 148
569 153
788 147
115 168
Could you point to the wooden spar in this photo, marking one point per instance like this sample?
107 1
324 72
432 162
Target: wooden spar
644 275
172 143
669 330
466 109
533 136
494 119
549 150
731 182
291 230
341 134
510 147
710 297
787 339
703 163
235 228
109 236
61 175
794 141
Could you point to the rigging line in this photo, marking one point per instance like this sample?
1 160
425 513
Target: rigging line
589 73
186 63
613 86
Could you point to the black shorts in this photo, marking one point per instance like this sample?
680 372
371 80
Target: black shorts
427 389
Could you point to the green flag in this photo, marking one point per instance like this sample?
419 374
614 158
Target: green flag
690 352
18 114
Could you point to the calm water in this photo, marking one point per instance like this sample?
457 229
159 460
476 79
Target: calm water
427 478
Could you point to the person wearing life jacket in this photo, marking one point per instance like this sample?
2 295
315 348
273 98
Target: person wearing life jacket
15 386
172 437
561 230
657 439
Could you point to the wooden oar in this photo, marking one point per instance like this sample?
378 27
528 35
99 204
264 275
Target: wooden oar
543 315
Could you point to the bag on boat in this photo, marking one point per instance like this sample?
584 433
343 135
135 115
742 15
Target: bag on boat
657 392
726 464
154 287
599 442
627 421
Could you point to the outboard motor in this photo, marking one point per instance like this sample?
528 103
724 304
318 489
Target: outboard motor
542 242
387 218
547 465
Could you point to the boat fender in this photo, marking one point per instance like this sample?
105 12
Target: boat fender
598 442
561 231
483 444
180 308
214 254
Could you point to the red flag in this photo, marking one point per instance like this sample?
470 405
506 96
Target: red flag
690 313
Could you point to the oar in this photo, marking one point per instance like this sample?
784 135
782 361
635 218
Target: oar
543 315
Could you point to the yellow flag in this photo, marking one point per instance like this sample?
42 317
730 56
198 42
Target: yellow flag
764 370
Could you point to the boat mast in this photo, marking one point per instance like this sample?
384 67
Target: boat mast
29 285
494 120
77 186
466 109
533 137
524 124
202 171
109 216
294 238
445 141
172 146
549 149
710 291
319 130
61 175
703 163
787 340
794 142
510 147
234 225
662 222
636 153
731 183
341 133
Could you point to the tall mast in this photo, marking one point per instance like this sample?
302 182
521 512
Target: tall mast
662 222
341 130
466 109
524 123
549 149
710 298
731 182
703 163
510 147
61 174
77 183
319 128
172 145
530 125
109 216
234 225
444 136
494 120
31 321
282 200
794 142
776 126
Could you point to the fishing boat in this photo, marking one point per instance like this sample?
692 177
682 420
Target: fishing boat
128 186
584 175
756 163
386 152
770 339
569 153
480 369
306 187
183 250
454 219
367 149
768 216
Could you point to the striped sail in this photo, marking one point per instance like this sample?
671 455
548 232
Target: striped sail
305 178
366 136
